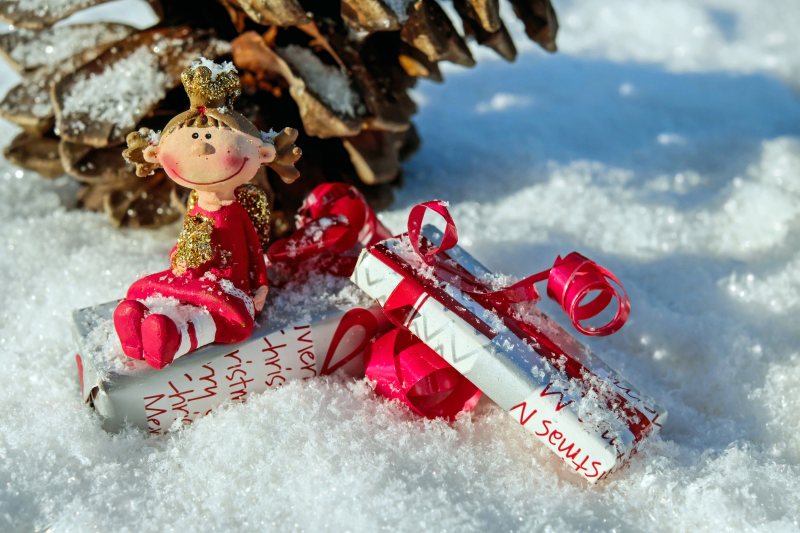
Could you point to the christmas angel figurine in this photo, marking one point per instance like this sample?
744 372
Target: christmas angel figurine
217 280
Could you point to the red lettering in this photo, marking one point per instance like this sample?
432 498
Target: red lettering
234 356
560 405
594 466
627 390
305 336
181 402
568 449
211 389
272 349
553 434
305 355
523 419
153 423
271 380
240 394
274 362
546 430
654 420
235 372
607 436
311 365
581 466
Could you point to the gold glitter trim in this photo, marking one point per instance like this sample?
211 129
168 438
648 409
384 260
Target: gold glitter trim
194 244
255 201
192 201
205 90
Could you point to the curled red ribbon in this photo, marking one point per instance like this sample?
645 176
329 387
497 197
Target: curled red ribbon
406 369
570 281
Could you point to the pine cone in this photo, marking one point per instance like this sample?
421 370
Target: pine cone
339 72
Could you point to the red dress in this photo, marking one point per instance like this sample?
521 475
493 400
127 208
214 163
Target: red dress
223 285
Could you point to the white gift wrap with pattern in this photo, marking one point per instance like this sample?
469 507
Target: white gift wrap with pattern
126 391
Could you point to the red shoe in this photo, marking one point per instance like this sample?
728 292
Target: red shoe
160 340
128 318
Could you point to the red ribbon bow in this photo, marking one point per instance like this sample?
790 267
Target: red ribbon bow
334 218
570 281
404 368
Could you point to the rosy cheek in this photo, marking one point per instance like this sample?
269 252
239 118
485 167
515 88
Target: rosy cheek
169 163
232 160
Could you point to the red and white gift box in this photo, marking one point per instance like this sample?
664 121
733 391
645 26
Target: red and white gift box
557 389
125 391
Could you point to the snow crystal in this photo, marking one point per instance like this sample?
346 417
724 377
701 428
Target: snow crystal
399 8
328 82
53 45
302 301
119 93
268 136
153 136
35 92
215 68
44 7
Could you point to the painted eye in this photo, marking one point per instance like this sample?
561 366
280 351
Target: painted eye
195 135
208 135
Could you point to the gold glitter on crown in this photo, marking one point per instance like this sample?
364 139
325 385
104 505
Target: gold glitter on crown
206 90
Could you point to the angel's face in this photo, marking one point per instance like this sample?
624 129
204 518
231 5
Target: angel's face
215 159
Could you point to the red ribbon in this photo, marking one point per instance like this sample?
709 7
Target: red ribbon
351 322
406 369
334 218
570 281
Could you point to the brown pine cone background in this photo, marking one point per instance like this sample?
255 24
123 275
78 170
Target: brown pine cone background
339 71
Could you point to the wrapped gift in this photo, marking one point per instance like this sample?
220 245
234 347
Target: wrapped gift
305 332
557 389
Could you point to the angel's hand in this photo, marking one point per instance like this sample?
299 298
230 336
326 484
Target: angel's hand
286 155
141 152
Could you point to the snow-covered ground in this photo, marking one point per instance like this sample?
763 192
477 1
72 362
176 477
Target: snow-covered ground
663 141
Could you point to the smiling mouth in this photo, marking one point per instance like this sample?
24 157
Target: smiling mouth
244 162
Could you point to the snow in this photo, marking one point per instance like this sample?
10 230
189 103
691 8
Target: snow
703 229
216 68
268 136
399 8
54 45
330 83
118 94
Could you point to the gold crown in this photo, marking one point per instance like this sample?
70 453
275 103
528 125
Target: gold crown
208 90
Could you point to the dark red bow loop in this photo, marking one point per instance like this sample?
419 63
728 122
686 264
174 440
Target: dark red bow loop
570 281
334 217
404 368
415 217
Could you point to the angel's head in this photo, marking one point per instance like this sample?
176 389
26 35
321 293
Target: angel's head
204 153
210 147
